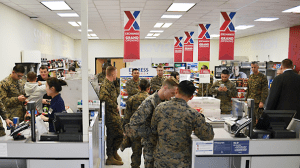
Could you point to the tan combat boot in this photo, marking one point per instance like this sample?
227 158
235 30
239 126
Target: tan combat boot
117 157
112 161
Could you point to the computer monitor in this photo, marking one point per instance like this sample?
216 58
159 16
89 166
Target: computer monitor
275 119
68 126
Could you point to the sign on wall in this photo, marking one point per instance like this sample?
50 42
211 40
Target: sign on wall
131 36
227 35
178 49
203 42
188 47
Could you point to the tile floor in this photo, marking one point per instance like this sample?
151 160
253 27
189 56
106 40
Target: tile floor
126 157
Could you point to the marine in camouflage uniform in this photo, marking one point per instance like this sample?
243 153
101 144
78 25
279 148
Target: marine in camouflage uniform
156 82
101 76
108 93
10 90
257 90
132 87
225 97
206 87
131 106
141 123
4 117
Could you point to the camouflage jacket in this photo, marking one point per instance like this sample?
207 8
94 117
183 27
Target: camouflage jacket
257 88
206 87
132 87
133 103
173 122
4 117
9 91
225 97
156 82
140 121
108 93
101 76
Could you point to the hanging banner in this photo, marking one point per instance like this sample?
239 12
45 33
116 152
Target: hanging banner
131 36
188 47
178 49
227 34
203 43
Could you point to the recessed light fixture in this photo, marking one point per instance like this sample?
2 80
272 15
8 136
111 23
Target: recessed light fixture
79 23
150 37
56 5
93 35
156 31
266 19
156 34
68 14
158 25
171 16
179 7
93 38
150 34
214 35
166 25
292 10
73 24
243 27
89 30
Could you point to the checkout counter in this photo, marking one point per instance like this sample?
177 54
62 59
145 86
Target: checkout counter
228 151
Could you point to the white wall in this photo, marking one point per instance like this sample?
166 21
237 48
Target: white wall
18 32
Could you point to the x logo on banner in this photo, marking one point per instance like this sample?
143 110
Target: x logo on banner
227 22
178 41
189 37
204 31
131 22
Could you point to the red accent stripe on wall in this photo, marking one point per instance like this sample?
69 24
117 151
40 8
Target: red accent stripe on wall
294 46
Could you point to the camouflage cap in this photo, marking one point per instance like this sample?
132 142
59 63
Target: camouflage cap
105 65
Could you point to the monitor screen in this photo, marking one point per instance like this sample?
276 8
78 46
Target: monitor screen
275 119
67 122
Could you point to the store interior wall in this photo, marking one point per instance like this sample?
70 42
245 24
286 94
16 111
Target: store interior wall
19 32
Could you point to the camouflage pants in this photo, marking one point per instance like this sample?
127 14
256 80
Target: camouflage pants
114 138
2 130
166 163
136 146
148 151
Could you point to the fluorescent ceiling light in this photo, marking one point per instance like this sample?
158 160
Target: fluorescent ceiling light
156 34
156 31
89 35
266 19
171 16
73 23
151 37
89 30
158 25
150 34
178 7
79 23
56 5
93 35
292 10
166 25
214 35
243 27
68 14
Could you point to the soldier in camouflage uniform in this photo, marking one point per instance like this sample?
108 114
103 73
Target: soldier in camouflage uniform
257 90
4 117
132 85
172 123
206 86
131 106
140 121
101 76
12 93
224 93
157 81
108 93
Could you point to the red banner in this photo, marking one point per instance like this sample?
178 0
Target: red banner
131 36
178 49
185 71
227 35
203 43
294 49
188 47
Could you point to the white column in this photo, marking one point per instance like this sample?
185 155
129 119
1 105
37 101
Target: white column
84 68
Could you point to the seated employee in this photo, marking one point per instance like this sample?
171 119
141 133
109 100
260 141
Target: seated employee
224 90
172 123
57 105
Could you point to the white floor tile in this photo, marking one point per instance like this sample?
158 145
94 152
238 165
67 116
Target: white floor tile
126 157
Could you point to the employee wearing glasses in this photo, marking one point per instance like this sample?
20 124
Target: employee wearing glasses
12 93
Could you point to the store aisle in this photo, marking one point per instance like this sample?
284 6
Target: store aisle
126 159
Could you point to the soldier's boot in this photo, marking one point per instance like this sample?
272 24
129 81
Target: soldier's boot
117 157
112 161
